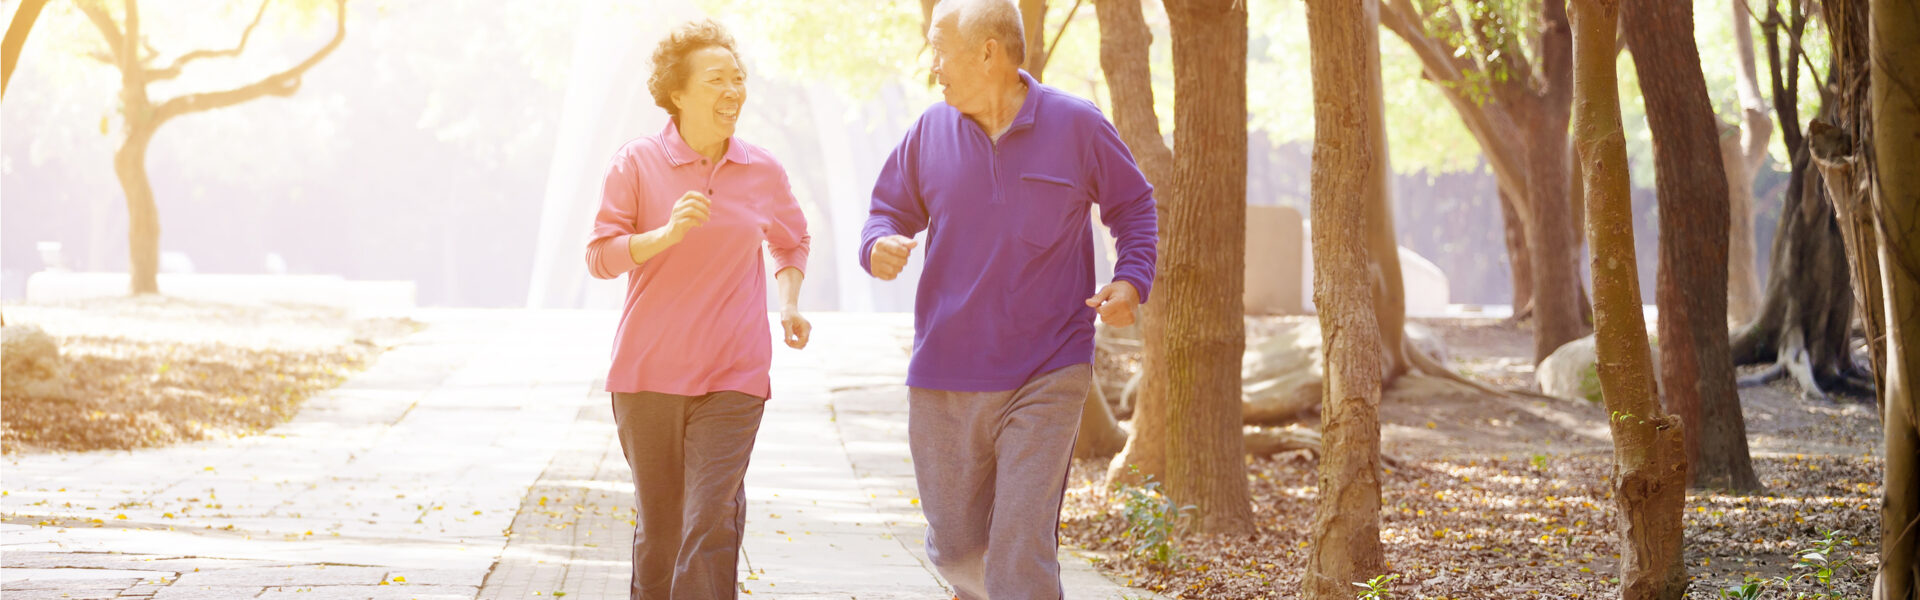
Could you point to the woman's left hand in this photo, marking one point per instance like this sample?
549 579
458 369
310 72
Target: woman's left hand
796 327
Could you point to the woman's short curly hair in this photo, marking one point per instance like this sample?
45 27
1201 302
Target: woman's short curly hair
670 58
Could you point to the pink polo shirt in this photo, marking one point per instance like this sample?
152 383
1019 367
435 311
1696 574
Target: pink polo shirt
696 314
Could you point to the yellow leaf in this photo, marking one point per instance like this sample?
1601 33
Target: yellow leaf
399 579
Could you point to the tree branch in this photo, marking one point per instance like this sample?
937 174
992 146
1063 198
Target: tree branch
109 31
173 70
1124 39
132 39
1486 123
284 83
1048 59
23 19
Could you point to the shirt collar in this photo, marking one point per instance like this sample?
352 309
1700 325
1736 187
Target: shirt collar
1024 118
679 153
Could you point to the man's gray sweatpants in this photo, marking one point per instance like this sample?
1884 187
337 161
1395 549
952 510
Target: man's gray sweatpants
992 467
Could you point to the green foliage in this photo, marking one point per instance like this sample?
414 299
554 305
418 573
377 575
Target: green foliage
1539 461
1151 518
1748 590
1590 384
1376 588
1822 561
855 46
1818 564
1423 131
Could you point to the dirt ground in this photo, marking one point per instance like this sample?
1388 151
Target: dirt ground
1508 497
142 372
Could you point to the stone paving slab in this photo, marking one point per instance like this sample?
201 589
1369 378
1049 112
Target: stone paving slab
388 475
478 460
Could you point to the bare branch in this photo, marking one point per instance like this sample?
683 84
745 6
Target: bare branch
173 70
1048 59
22 24
284 83
109 31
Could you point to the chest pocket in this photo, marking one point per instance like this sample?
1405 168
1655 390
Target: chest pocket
1049 208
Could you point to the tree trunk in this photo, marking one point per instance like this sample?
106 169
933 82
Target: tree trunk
1805 317
1518 266
1347 179
1124 40
1808 309
1033 14
1389 297
143 218
1743 276
1100 434
1694 357
1895 85
1552 242
1199 289
1551 251
1841 147
1649 453
1749 152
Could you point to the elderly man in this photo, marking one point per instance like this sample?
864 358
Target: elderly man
1002 176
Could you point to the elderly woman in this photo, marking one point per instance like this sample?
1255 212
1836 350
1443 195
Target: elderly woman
683 215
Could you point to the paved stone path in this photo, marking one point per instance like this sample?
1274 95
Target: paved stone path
477 460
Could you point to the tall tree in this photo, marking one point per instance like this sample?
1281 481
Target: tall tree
1476 57
1349 165
1649 455
1839 141
1805 320
129 51
1693 205
1124 40
1743 152
17 29
1195 359
1895 83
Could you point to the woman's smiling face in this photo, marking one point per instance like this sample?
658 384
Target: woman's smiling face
716 88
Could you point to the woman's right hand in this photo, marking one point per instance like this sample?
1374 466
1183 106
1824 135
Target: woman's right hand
693 209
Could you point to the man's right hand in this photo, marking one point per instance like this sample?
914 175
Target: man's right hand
890 256
693 209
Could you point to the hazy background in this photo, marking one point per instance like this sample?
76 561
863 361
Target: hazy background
461 145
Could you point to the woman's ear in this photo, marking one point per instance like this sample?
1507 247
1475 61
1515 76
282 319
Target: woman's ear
675 98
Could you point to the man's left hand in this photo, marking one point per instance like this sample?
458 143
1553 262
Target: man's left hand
1115 303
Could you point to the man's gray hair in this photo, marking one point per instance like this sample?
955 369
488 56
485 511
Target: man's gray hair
982 20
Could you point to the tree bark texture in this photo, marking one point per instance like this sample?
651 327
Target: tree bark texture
1695 360
1202 277
1649 453
1895 91
1347 178
1124 41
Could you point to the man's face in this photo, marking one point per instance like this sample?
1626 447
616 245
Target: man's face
959 65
